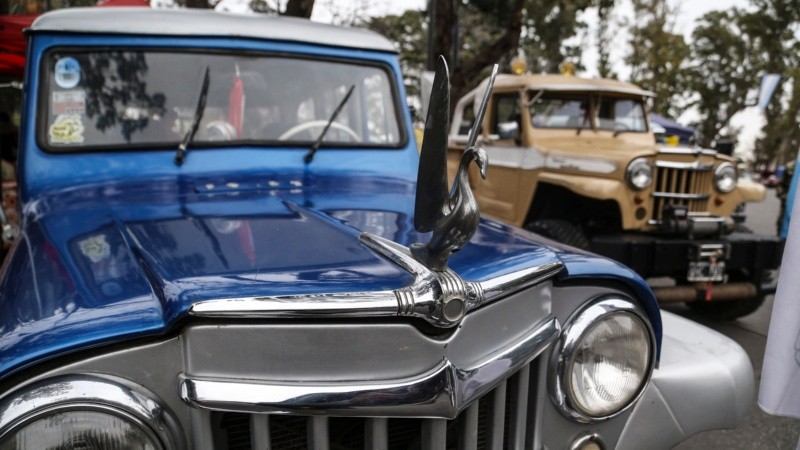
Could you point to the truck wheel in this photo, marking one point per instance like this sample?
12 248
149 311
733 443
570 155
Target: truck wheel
561 231
729 310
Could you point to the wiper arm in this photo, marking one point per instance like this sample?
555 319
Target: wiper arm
583 122
315 146
180 155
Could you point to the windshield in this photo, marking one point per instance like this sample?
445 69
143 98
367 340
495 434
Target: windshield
124 99
620 114
569 110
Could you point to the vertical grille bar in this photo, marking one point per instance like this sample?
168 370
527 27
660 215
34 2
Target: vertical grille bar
533 439
469 430
376 434
318 433
202 435
259 432
497 417
519 409
434 434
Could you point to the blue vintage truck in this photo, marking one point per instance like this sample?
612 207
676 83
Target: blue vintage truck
219 249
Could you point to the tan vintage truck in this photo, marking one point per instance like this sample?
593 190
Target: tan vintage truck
575 159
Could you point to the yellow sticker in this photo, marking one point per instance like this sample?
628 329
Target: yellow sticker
67 129
95 248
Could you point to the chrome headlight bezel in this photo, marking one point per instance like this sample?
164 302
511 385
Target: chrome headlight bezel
725 177
634 170
91 393
576 328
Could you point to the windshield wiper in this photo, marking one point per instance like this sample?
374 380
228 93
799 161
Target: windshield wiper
583 122
315 146
180 155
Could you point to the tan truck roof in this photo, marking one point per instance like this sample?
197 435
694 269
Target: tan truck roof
567 83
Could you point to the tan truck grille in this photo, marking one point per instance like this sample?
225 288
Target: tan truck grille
503 418
681 184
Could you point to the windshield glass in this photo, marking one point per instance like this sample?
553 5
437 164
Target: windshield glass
569 110
123 99
620 114
554 110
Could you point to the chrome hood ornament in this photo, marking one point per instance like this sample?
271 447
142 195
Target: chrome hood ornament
452 217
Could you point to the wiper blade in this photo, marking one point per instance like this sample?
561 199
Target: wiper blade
180 155
315 146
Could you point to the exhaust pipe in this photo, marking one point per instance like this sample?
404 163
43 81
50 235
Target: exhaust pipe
719 292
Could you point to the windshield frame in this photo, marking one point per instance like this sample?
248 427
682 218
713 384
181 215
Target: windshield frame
43 89
594 100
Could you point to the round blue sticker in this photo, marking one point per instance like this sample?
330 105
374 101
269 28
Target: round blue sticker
67 73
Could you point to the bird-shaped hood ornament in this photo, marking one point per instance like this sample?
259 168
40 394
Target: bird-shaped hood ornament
452 214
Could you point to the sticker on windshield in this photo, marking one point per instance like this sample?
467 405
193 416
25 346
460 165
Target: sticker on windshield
67 129
95 248
69 102
67 72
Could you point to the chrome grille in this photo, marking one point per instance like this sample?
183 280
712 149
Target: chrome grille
681 184
501 419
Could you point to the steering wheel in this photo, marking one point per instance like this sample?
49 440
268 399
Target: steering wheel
318 124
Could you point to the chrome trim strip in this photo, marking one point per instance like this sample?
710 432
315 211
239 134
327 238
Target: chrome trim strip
664 150
591 165
693 166
91 393
440 392
525 158
576 327
441 298
681 196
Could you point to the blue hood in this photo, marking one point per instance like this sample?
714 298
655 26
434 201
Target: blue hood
104 264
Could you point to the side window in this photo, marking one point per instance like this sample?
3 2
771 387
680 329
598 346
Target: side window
507 116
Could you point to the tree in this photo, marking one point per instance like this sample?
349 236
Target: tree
548 25
605 12
658 56
500 25
774 26
721 75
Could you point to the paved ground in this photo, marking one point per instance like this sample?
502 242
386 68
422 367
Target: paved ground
759 430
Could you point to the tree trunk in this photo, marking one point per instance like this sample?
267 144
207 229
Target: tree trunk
299 8
468 70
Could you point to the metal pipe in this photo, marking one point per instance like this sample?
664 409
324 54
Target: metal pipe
719 292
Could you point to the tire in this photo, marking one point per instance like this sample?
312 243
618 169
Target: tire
561 231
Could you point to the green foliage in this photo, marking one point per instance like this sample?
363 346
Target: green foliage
658 56
774 27
548 25
722 73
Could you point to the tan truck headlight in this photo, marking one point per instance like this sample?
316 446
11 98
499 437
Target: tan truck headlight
603 361
639 173
725 177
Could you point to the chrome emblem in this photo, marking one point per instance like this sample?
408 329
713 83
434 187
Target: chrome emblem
452 217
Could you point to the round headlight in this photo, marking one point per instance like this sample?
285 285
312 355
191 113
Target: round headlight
604 360
725 177
90 430
640 173
86 412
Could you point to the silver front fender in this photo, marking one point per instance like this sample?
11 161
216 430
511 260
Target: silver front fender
704 381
